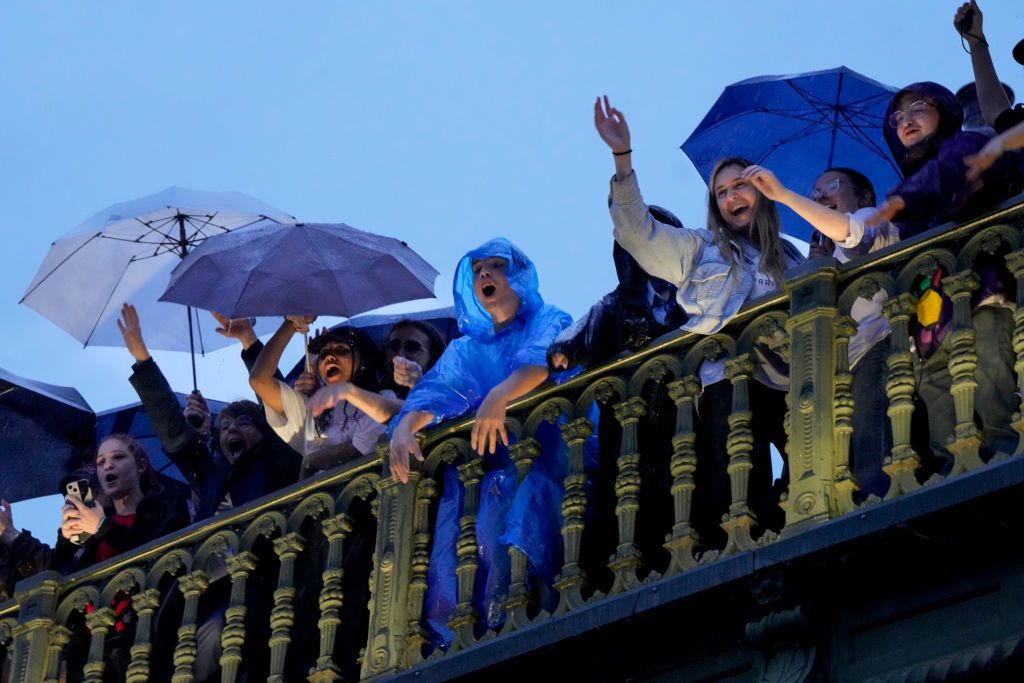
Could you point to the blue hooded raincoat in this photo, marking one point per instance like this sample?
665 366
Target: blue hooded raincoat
527 516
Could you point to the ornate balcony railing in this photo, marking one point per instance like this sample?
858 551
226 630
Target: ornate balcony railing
293 568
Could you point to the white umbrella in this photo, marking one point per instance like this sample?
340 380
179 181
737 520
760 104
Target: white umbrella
125 253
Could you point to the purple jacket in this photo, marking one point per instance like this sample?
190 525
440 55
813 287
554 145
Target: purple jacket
935 185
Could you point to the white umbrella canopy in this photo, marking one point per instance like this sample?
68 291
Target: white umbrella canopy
126 253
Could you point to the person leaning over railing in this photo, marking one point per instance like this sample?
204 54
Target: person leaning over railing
923 132
741 256
508 329
841 201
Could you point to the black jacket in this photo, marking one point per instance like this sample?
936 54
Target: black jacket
262 469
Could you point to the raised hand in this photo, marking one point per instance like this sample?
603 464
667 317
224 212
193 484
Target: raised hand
235 328
889 209
765 181
558 361
407 372
305 384
611 125
79 518
301 323
131 332
197 412
982 161
972 28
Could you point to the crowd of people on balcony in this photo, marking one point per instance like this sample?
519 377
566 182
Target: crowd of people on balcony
669 277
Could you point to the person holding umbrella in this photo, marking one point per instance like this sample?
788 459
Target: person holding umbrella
344 419
739 257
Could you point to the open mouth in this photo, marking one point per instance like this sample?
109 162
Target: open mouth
331 372
488 290
109 481
737 210
236 445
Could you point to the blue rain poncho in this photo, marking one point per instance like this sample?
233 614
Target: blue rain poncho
526 516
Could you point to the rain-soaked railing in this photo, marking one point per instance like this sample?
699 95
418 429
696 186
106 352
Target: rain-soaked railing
290 572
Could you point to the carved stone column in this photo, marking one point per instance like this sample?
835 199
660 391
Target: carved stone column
681 542
627 559
1015 261
233 638
282 616
900 388
846 482
740 444
192 586
331 598
811 419
99 622
389 583
60 636
37 600
574 505
427 490
464 617
785 634
963 361
145 605
522 454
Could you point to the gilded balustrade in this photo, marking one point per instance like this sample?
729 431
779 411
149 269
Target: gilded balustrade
610 422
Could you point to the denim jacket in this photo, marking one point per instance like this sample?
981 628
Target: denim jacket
709 290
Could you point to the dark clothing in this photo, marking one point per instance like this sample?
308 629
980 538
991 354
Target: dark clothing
260 470
935 186
1009 118
871 442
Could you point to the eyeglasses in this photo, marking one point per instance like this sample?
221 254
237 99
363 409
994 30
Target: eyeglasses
226 423
915 111
828 189
409 346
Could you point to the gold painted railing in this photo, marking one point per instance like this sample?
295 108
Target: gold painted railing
622 526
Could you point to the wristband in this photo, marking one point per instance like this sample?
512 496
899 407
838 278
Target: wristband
622 154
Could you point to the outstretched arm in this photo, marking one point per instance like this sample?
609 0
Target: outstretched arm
833 224
261 377
991 96
378 407
1004 142
612 127
489 425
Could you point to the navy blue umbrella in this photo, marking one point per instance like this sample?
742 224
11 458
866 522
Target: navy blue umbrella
44 429
798 126
133 420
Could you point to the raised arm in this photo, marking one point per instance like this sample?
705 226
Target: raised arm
612 127
833 224
1004 142
261 377
991 96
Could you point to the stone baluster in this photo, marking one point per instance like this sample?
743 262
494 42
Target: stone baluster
522 454
900 388
846 482
680 543
37 600
282 616
428 490
60 636
336 529
99 622
740 520
574 505
464 616
192 586
233 638
627 560
145 605
963 361
1015 261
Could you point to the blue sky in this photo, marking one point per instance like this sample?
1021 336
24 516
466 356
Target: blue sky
441 123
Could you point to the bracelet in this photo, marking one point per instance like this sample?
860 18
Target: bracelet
622 154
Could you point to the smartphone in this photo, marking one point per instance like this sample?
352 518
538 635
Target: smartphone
79 488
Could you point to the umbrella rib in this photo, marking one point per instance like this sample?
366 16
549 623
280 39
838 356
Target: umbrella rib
105 303
54 269
835 120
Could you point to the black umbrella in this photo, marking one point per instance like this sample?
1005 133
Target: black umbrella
44 431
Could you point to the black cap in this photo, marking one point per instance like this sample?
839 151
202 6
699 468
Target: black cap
1018 52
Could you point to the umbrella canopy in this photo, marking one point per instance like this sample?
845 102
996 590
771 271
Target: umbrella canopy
44 429
301 269
133 420
378 326
125 253
797 126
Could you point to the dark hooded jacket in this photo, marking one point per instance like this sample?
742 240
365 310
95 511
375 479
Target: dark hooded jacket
262 469
623 318
935 186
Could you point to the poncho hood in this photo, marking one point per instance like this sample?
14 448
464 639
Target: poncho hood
951 118
473 320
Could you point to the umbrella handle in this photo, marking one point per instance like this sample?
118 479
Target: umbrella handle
305 345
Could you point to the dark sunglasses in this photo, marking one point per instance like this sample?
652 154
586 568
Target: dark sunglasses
409 346
239 421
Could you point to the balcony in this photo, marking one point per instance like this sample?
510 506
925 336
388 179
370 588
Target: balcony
329 576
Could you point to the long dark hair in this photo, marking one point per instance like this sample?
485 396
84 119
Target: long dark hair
764 230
